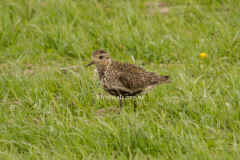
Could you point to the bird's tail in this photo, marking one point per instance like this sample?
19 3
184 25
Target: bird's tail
164 79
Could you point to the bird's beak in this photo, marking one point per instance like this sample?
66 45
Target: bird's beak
91 63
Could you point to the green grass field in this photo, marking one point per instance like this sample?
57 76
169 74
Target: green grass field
49 105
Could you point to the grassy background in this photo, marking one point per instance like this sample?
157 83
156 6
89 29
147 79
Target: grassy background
48 103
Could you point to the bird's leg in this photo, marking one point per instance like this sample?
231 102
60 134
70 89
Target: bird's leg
124 100
120 102
135 104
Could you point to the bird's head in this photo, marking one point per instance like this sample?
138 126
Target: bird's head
100 58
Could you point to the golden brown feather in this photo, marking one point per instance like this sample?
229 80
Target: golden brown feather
123 79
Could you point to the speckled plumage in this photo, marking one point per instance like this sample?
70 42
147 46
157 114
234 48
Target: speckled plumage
124 79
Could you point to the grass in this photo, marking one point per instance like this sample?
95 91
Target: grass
48 103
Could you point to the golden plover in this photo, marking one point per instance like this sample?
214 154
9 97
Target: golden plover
124 79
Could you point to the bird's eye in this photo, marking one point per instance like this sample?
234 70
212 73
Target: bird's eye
100 57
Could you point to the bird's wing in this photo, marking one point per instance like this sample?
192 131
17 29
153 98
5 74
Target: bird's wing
132 80
126 81
141 80
134 77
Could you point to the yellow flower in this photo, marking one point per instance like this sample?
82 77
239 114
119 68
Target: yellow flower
203 55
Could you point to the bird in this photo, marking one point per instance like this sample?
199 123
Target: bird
124 79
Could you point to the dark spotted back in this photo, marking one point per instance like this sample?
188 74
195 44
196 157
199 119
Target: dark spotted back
134 77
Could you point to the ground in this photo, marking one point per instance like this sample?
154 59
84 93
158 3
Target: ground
53 107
